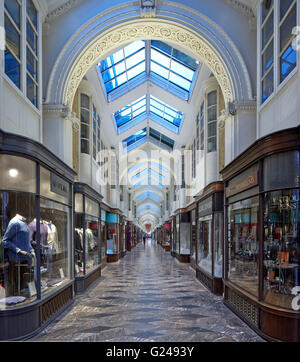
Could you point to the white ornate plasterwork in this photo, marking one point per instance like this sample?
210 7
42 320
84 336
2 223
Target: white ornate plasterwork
61 111
60 10
152 29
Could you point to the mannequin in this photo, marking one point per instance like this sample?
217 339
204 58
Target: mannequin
16 241
20 253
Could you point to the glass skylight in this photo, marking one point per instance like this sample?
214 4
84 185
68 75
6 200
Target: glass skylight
148 60
148 106
161 138
172 65
135 138
130 111
148 195
165 112
123 65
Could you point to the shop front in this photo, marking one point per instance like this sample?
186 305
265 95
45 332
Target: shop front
103 237
183 235
122 236
128 235
209 260
87 236
113 245
167 236
173 238
193 258
262 240
36 266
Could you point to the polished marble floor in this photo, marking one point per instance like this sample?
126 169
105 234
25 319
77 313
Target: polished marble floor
148 296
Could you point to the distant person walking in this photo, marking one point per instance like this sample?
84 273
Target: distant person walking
144 239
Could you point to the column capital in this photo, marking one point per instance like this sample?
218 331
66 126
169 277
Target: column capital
63 112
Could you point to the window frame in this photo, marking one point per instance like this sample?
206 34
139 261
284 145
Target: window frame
24 74
278 84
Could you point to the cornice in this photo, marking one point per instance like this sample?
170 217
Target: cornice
60 10
61 111
243 8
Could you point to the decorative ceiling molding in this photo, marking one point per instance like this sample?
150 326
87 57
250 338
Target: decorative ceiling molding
243 8
148 30
60 10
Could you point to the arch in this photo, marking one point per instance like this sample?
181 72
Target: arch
202 38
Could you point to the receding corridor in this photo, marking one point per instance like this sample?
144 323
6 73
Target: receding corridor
148 296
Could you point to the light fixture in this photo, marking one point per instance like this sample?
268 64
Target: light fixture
13 172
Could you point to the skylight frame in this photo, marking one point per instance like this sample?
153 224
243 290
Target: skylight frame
147 73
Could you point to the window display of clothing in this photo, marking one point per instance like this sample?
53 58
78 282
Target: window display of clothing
43 233
16 240
52 238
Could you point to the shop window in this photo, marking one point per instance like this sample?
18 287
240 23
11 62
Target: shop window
212 121
288 20
17 256
177 234
87 236
17 174
218 241
281 267
205 243
243 244
112 234
84 124
55 244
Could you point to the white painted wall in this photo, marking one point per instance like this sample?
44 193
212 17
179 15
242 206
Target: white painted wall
17 114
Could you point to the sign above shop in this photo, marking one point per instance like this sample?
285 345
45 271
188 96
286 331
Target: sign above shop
245 184
205 207
58 185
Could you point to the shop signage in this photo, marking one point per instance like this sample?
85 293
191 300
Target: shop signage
205 207
58 185
244 184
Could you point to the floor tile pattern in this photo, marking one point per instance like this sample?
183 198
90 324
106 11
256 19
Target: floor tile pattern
148 296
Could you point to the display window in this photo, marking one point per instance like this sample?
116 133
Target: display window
34 231
103 231
218 241
205 243
243 244
112 234
86 235
281 265
193 234
54 244
177 234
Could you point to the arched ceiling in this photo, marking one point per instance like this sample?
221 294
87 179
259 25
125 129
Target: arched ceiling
151 112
